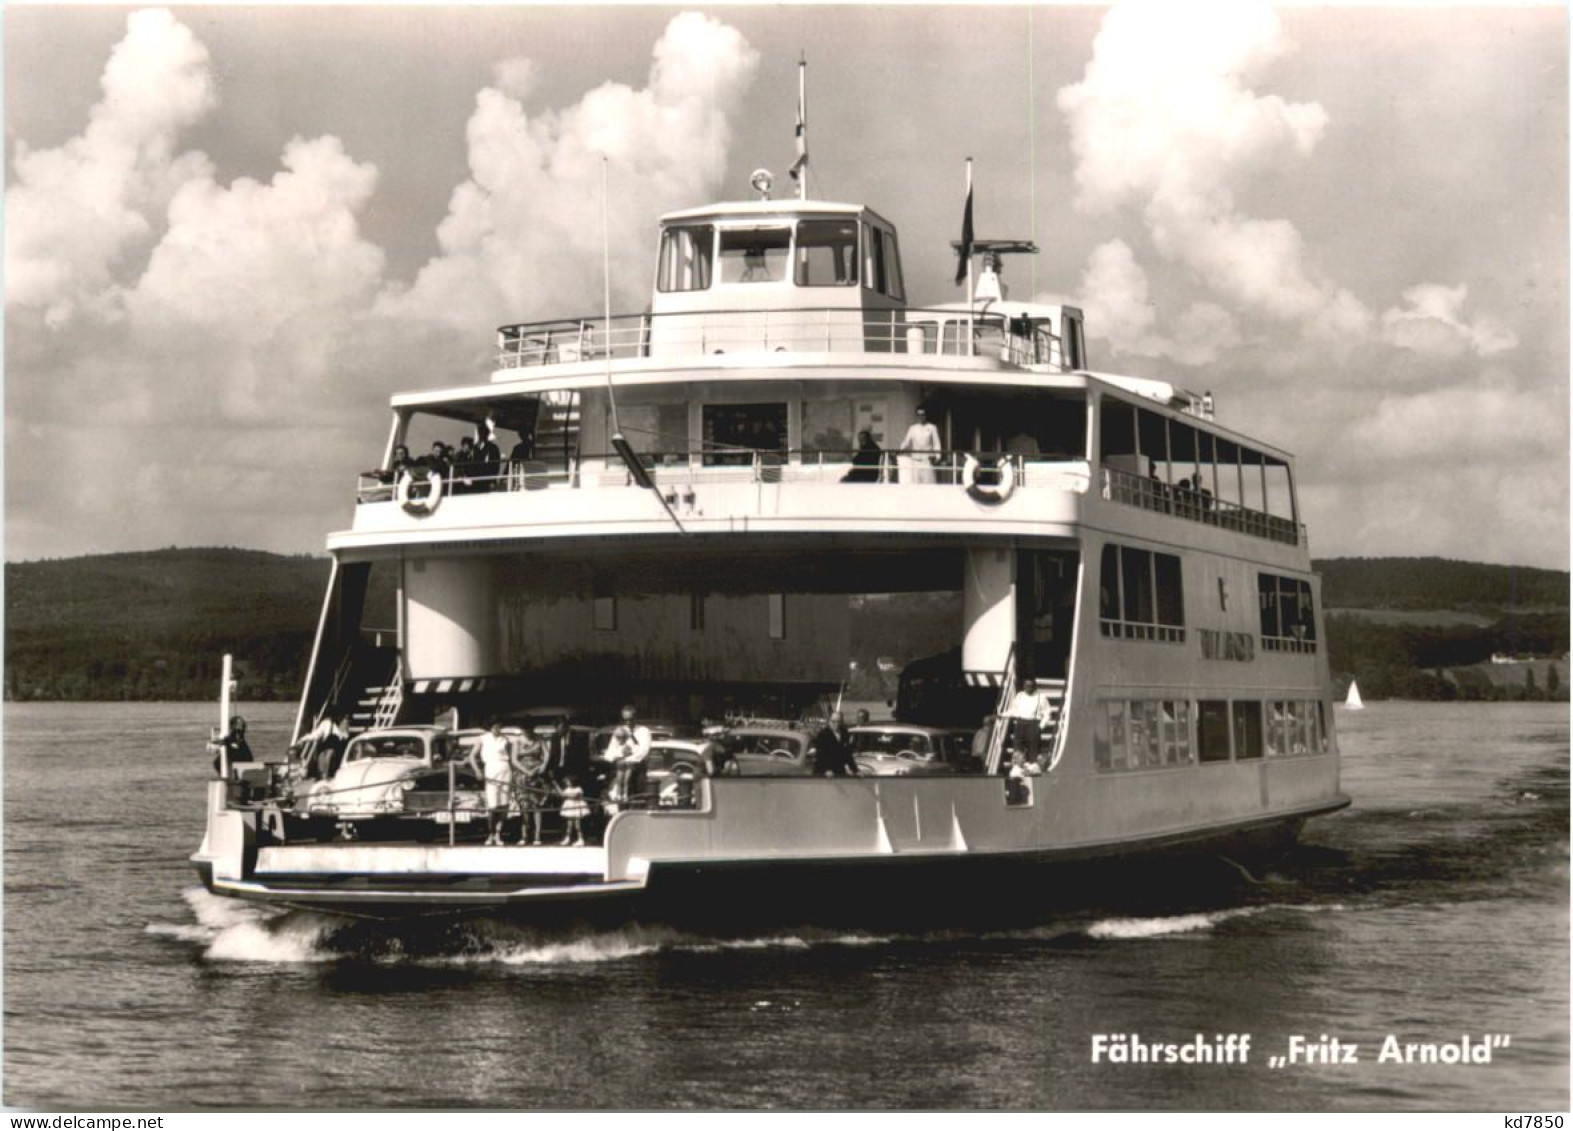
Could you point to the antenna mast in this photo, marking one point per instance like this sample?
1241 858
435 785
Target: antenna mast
800 166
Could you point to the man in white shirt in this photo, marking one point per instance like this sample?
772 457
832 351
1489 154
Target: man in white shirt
923 441
628 750
496 770
1026 715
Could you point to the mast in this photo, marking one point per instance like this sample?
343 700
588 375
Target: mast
966 252
799 168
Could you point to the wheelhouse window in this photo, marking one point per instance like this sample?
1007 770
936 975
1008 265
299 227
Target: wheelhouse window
827 254
754 255
881 263
1140 595
893 268
686 254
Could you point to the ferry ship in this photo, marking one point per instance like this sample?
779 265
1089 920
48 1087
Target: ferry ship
719 509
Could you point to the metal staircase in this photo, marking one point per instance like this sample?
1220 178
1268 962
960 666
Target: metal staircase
378 704
1052 690
1001 726
557 429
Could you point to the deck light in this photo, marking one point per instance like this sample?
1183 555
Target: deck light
762 180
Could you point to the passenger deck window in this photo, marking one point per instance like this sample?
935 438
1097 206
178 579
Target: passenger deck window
1146 734
1212 730
686 258
1288 619
1294 726
1141 595
754 255
826 254
1247 728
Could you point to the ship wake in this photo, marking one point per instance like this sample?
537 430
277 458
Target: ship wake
230 931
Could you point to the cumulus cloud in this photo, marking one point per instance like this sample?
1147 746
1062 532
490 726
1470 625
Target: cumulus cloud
516 77
526 229
1432 322
1166 120
1114 294
74 213
224 349
1173 125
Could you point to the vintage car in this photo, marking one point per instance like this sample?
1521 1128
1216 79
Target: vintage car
759 752
674 768
399 772
668 755
901 749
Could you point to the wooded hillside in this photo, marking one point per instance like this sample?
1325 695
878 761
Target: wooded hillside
154 625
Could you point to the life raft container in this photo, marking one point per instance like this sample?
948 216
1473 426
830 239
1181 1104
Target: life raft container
996 492
426 503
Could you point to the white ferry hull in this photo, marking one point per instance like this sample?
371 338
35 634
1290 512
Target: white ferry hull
737 884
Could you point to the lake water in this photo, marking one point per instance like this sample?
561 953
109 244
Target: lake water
1436 906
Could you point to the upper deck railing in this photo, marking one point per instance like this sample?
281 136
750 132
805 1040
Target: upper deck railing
682 469
910 330
1198 506
677 471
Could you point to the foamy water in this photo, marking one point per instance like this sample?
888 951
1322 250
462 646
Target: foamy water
230 930
1437 905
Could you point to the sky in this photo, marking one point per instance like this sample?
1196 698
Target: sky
233 232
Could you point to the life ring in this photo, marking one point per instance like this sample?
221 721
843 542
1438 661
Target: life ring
988 493
426 504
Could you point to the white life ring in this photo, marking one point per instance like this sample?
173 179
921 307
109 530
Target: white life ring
426 505
988 493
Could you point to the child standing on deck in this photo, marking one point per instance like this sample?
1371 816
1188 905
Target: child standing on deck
575 809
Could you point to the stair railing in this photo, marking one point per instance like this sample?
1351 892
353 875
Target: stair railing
1000 721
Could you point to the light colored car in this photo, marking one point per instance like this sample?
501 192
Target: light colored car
401 771
668 755
769 751
903 749
671 760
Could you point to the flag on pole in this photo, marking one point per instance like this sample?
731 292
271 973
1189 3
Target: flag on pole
801 164
965 251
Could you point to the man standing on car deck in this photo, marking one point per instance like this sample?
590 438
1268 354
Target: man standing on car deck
1026 715
629 749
